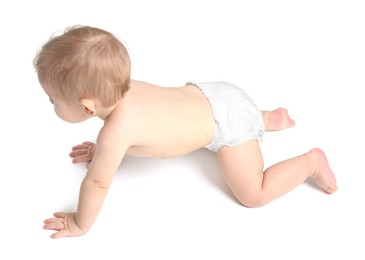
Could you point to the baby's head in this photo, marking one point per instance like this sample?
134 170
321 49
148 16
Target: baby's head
84 62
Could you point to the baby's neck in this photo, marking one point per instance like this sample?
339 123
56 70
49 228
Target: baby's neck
105 113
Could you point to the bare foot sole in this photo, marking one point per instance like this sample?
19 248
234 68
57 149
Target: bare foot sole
323 174
277 119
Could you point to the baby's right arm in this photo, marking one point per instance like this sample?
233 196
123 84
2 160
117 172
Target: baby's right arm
83 153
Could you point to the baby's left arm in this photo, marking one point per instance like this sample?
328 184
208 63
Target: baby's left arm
107 158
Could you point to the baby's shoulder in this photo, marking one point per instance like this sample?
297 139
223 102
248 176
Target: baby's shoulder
117 132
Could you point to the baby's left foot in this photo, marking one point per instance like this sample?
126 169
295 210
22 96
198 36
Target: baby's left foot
322 174
277 119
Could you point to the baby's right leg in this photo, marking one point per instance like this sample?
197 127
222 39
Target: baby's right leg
277 119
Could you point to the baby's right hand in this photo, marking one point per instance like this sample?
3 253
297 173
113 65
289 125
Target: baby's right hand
83 152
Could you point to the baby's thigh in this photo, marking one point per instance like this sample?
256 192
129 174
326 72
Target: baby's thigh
242 167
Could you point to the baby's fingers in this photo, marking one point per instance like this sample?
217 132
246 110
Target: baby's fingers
80 147
62 215
88 143
54 224
59 234
83 158
84 145
78 152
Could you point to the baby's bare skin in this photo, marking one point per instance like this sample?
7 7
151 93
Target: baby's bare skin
167 122
155 108
277 119
322 174
86 73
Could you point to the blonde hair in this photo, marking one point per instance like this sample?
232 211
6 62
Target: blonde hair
84 62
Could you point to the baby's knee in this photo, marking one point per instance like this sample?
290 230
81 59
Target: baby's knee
252 201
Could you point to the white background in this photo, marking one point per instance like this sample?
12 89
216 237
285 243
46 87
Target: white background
307 56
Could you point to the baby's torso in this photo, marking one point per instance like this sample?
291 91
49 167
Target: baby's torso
168 122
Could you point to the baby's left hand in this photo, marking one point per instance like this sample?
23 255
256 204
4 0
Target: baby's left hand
64 224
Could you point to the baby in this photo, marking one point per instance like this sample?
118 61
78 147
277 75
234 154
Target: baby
86 73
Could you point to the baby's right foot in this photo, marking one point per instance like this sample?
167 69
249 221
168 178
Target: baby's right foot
277 119
322 173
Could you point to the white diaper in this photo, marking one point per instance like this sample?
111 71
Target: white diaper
237 117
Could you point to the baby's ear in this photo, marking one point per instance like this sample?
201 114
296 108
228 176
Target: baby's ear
89 105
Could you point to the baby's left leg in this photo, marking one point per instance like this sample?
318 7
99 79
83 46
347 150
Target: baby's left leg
242 168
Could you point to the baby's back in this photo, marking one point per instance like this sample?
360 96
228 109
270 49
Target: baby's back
168 121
